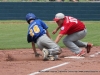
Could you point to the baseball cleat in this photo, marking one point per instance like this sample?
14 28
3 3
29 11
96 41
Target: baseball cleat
45 54
51 57
82 53
56 57
88 48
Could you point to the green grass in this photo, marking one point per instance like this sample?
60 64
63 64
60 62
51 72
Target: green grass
93 34
13 33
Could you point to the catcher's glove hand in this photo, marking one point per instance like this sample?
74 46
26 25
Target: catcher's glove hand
37 55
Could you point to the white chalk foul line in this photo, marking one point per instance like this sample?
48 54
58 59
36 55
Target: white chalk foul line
49 68
93 55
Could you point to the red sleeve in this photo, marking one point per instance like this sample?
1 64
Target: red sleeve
64 29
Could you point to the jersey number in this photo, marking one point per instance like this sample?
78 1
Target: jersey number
31 33
35 29
71 19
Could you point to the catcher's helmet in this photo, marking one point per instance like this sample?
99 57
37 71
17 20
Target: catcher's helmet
30 16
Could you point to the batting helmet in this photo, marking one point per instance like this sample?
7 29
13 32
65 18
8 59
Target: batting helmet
30 16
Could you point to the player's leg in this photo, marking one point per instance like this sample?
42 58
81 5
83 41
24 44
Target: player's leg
87 45
47 43
71 41
42 48
55 52
80 43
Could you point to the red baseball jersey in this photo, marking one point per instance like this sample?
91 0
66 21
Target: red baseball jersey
71 25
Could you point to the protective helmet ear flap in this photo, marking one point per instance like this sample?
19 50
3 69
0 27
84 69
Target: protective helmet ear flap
29 21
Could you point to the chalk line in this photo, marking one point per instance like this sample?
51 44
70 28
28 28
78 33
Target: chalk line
50 68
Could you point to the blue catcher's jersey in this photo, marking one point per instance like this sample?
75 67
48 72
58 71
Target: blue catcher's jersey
36 29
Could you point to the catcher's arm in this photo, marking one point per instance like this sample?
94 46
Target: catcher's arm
58 38
34 49
54 31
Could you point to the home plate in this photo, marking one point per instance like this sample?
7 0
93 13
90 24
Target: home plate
74 57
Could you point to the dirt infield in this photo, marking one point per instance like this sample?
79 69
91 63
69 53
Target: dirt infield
23 62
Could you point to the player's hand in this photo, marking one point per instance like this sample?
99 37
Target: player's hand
37 55
54 31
